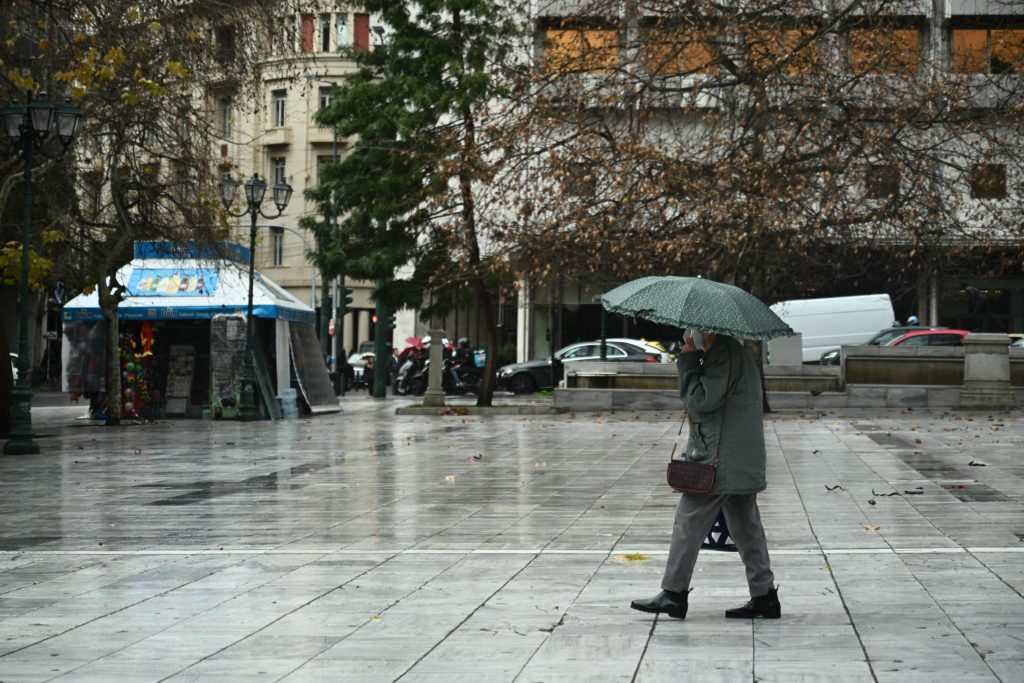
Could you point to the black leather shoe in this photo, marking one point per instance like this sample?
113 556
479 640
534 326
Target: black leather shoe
665 602
765 606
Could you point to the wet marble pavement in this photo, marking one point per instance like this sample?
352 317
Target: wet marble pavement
367 547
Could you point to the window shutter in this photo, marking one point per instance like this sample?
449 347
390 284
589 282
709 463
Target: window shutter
362 31
307 32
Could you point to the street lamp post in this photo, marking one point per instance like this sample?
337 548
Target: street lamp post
255 189
327 304
29 128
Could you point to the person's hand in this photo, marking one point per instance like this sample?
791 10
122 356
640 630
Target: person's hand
688 345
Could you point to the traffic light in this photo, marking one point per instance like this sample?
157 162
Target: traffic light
345 305
386 320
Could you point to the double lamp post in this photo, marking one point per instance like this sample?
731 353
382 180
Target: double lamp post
255 189
30 127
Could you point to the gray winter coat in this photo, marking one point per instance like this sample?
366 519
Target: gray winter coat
723 396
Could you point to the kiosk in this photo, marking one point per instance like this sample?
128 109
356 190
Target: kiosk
182 336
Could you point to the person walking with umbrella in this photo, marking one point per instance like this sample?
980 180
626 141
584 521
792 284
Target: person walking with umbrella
721 388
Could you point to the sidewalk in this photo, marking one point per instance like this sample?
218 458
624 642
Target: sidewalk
364 546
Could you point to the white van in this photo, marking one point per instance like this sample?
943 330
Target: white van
829 323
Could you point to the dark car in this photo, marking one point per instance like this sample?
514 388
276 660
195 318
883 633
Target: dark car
944 337
881 339
525 378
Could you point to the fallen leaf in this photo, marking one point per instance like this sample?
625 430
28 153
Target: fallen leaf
631 557
450 477
376 617
872 527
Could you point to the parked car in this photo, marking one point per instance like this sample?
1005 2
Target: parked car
644 345
525 378
881 339
944 337
1017 340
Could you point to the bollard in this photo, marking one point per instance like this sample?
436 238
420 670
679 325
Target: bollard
986 372
434 396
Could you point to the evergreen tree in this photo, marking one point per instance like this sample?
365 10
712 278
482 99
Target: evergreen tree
421 109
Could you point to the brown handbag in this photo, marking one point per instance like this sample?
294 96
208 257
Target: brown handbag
687 476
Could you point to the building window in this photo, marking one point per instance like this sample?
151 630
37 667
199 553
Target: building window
226 115
277 246
794 49
280 108
325 33
987 50
988 181
579 180
581 50
322 161
885 50
882 181
341 30
675 50
284 42
277 170
325 97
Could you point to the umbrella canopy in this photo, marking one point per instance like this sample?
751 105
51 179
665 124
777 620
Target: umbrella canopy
695 302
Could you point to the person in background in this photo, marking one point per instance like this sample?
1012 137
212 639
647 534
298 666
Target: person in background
368 374
394 362
463 358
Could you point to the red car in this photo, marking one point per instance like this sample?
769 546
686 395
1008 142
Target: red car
930 338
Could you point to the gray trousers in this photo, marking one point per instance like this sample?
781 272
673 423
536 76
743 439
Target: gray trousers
695 514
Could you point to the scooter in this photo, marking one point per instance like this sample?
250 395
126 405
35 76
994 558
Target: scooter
403 384
469 377
414 380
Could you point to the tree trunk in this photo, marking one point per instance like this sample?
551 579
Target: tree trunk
108 305
485 309
469 226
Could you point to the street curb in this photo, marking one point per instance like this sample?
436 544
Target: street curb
460 410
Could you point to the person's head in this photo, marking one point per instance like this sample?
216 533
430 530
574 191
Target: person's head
912 320
701 338
463 343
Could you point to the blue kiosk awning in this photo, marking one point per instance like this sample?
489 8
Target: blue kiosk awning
176 281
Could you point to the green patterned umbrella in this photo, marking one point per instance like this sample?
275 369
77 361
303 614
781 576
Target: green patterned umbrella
695 302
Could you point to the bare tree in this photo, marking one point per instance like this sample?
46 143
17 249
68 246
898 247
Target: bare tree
145 76
777 145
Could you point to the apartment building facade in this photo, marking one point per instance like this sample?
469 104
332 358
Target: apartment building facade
280 140
978 44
